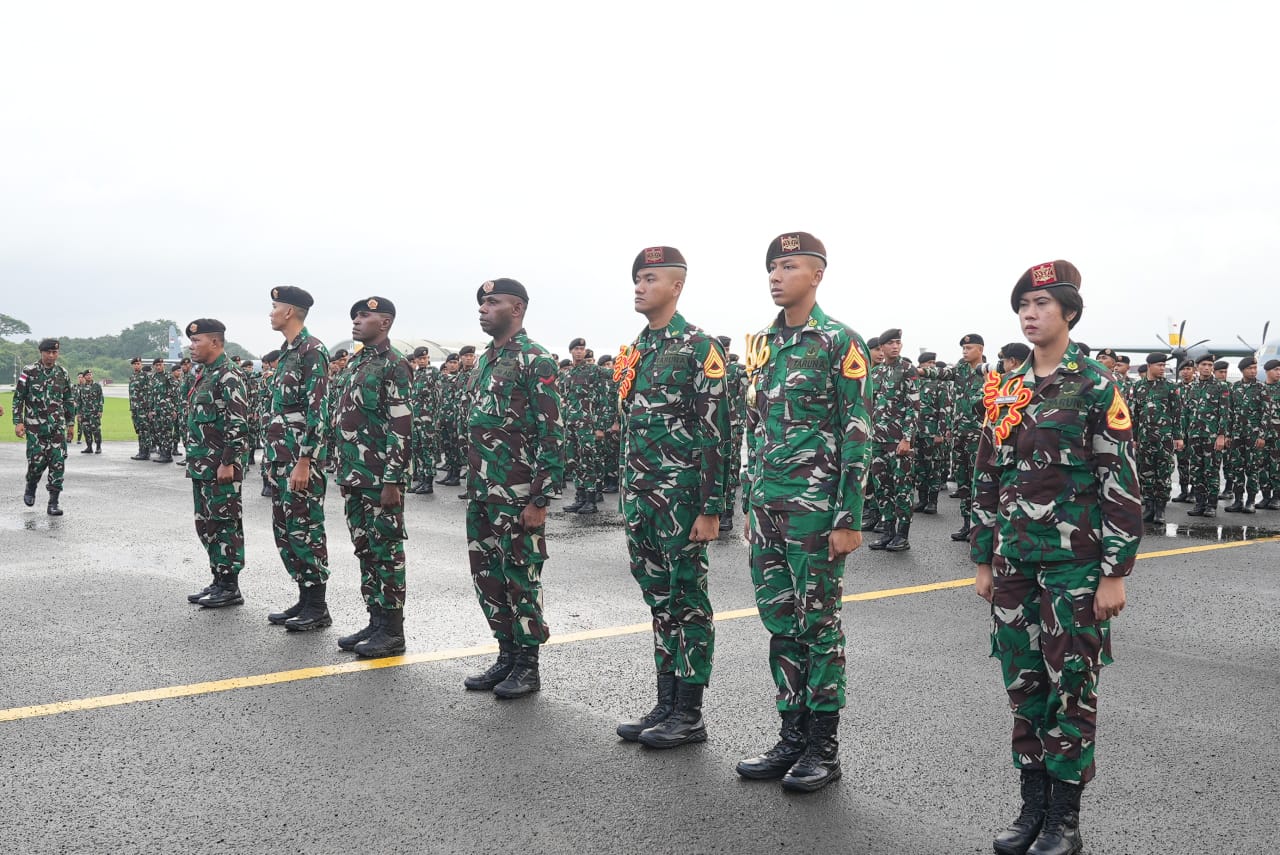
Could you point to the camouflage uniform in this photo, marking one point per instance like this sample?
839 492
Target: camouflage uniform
138 409
1206 415
426 418
966 427
451 413
44 401
466 395
260 412
735 382
163 410
1271 451
808 438
254 393
217 434
1244 464
1157 423
611 445
296 429
1183 457
90 410
1056 508
674 423
583 395
514 455
373 419
186 383
930 452
895 417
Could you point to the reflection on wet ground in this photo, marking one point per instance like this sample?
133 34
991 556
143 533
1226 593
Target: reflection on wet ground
1212 531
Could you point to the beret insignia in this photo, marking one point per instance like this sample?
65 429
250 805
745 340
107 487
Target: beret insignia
194 326
790 243
1044 274
275 293
653 255
372 304
487 287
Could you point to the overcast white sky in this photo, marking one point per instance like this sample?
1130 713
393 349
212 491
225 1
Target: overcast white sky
178 160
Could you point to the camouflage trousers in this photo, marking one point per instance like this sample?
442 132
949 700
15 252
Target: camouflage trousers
733 462
964 447
1183 458
1051 650
91 428
1244 465
220 524
798 593
163 435
672 574
892 475
584 456
1155 469
930 465
1204 464
1271 458
378 536
140 427
455 453
297 522
610 455
506 569
424 449
46 454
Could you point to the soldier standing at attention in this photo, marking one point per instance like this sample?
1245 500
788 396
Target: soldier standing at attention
610 442
294 454
337 365
260 413
735 385
895 420
1057 525
44 413
808 432
91 414
1157 424
77 400
930 460
162 411
466 397
217 438
675 422
1206 417
1248 414
178 405
253 390
451 413
967 378
373 418
1186 377
1271 435
186 382
514 458
581 398
425 405
138 408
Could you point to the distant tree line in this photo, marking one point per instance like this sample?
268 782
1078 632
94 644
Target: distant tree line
107 355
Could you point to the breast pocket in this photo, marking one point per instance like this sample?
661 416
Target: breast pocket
1060 440
807 398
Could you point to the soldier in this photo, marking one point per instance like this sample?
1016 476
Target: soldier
514 458
877 355
1056 528
44 413
77 400
675 420
337 365
294 453
1157 423
1248 418
138 408
582 399
1271 435
967 378
930 465
872 516
254 390
178 404
735 382
217 440
466 397
186 382
90 409
162 411
260 406
1186 377
373 416
1206 417
425 404
895 419
1012 355
808 433
451 394
610 437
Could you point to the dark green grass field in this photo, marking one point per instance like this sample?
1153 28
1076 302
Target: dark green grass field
116 423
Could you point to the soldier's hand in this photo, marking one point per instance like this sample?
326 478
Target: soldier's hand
20 430
843 541
705 528
1259 442
904 448
300 475
533 517
1178 445
937 440
391 497
226 473
599 434
982 585
1109 599
1220 443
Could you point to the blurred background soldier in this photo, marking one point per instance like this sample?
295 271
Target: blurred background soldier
1206 417
138 408
735 386
450 412
1156 408
1248 416
91 413
611 450
1271 433
44 414
930 461
425 404
895 420
581 397
260 413
337 364
1186 376
162 403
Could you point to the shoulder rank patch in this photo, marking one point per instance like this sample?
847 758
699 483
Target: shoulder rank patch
1118 413
713 365
854 366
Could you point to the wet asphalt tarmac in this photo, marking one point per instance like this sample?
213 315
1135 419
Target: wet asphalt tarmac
403 759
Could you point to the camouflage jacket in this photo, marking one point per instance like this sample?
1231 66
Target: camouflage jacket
965 394
466 395
426 395
296 425
90 400
1125 383
581 395
217 426
895 407
44 400
1272 419
933 407
373 419
1206 410
163 394
450 390
1156 407
1055 478
189 380
735 381
808 429
138 392
1248 411
514 426
675 417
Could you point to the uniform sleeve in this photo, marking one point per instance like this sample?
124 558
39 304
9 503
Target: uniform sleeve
986 499
396 391
235 397
1112 442
710 423
544 401
69 403
911 405
853 391
20 392
315 380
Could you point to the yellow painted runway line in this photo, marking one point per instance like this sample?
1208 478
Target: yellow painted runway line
277 677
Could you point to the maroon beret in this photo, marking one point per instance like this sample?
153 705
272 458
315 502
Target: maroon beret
1046 275
658 256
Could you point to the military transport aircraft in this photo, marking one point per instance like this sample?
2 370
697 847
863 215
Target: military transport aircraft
1180 350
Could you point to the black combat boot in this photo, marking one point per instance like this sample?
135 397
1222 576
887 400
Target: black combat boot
53 510
195 598
966 526
819 765
589 506
523 679
1264 500
1227 493
726 519
1238 505
428 485
315 611
1157 517
1248 505
931 506
630 730
955 494
29 497
579 498
881 526
416 486
498 671
611 484
450 478
1200 505
1148 509
684 725
349 642
279 618
1061 832
921 501
870 519
1273 504
776 762
97 441
225 593
1183 497
142 454
890 532
900 542
1210 507
163 456
88 447
1018 837
387 639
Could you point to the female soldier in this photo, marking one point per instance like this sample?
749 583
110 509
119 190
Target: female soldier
1056 524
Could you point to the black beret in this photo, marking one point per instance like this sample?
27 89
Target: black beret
577 342
604 360
658 256
453 357
177 367
1186 363
205 325
186 360
1106 351
135 359
891 334
159 360
795 243
381 305
502 286
564 363
87 371
272 356
928 356
467 348
590 354
1246 362
971 338
47 344
292 295
873 343
1015 350
724 340
340 353
1045 275
419 352
1221 365
1271 363
1124 358
80 374
1157 357
941 364
1207 357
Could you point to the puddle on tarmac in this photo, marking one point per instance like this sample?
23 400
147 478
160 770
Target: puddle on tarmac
1210 531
